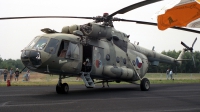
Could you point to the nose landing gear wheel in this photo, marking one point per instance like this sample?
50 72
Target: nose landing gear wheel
58 89
145 84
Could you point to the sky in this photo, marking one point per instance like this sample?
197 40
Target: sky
15 35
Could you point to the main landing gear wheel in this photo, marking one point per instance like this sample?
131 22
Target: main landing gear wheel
145 84
65 88
62 89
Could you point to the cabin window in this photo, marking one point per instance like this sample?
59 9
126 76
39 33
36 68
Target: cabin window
124 60
117 59
52 46
107 57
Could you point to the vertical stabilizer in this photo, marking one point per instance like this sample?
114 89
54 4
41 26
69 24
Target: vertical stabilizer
180 57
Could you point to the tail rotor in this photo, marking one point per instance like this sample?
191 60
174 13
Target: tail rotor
187 48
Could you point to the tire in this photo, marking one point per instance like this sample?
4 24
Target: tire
65 88
145 84
58 89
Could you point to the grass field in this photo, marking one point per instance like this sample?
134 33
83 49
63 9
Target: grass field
161 78
155 78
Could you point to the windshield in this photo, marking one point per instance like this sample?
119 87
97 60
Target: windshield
41 43
32 43
38 43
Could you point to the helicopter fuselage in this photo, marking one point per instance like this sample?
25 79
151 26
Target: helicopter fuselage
109 55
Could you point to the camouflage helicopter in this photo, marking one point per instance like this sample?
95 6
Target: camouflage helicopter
95 50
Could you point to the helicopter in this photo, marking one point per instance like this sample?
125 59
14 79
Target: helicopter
94 50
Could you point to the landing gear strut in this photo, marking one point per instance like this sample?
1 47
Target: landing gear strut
62 88
145 84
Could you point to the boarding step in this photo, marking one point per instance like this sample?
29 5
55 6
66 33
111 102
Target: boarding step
87 79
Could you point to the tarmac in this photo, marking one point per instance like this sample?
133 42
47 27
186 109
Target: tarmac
116 98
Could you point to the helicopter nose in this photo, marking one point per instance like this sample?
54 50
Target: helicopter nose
31 58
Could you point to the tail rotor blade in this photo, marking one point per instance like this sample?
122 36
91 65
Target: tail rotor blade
194 42
193 60
188 48
191 50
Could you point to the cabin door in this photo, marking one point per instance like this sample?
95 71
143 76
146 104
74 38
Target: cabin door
98 56
87 59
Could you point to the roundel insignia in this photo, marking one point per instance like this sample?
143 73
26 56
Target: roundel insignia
139 62
98 63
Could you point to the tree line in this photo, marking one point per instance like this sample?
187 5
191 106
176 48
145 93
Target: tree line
186 67
10 63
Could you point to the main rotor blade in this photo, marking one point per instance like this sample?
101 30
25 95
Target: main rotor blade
186 29
155 24
133 6
194 42
138 22
27 17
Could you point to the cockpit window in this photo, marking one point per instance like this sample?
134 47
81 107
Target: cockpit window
32 43
73 51
41 43
52 46
63 48
68 50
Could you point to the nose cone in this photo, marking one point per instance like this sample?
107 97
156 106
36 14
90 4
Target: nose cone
31 58
35 58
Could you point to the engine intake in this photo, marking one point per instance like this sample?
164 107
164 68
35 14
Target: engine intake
96 31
